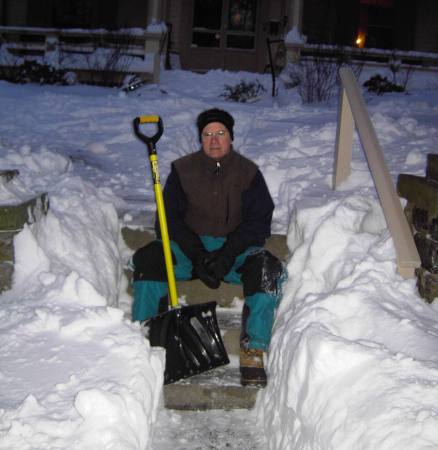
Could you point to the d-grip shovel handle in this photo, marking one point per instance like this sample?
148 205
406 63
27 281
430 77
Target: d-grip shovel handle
150 141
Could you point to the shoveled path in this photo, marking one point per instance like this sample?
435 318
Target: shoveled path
226 428
215 429
221 424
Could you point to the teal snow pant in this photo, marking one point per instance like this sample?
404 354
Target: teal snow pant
260 273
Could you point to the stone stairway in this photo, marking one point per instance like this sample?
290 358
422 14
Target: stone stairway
218 388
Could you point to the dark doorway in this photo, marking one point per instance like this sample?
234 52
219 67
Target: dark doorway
225 34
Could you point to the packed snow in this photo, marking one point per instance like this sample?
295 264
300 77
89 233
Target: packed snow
353 362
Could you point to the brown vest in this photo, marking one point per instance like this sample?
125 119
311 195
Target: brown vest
214 192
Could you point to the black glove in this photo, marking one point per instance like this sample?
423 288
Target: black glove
219 262
200 271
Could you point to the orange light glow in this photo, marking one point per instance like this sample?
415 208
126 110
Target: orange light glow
360 40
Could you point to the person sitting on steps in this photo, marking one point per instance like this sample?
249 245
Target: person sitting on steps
219 213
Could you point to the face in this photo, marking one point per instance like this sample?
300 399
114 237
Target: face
216 146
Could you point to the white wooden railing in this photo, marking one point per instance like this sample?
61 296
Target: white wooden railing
138 44
352 111
403 59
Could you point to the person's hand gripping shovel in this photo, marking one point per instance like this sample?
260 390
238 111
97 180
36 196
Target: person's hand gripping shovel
190 334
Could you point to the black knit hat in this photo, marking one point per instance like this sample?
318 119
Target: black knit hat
215 115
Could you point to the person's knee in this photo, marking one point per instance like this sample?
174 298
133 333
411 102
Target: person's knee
149 263
261 272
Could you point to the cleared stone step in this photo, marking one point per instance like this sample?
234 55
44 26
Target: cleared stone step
229 321
218 388
432 166
13 217
6 274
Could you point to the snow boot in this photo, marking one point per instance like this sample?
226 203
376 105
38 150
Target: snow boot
252 372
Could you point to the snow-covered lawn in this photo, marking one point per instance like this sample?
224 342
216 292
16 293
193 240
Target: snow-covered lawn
353 361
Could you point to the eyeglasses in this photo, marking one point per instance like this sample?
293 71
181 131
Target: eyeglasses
210 134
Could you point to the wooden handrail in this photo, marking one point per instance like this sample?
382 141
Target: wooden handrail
352 110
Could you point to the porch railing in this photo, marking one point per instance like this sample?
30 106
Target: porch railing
414 60
352 111
142 47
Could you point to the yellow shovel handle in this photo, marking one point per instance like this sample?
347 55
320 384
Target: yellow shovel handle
164 232
150 142
149 119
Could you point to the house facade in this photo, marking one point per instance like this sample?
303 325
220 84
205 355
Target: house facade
232 34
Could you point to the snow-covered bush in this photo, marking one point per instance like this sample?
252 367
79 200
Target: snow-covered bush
316 77
380 85
35 72
245 91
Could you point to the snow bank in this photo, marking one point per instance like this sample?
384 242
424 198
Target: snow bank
353 360
75 374
37 171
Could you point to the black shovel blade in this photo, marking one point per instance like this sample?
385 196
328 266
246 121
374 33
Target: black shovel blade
192 340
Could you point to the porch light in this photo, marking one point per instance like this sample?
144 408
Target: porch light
360 40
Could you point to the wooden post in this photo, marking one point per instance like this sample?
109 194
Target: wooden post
295 15
344 141
294 40
154 11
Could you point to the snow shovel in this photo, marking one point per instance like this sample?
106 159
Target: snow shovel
190 334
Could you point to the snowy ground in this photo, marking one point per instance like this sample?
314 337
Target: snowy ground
353 359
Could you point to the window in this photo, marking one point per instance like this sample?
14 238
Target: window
207 23
242 24
72 13
376 24
238 31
